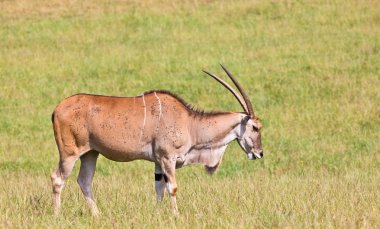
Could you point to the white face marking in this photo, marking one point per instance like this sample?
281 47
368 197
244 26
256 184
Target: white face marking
159 103
143 125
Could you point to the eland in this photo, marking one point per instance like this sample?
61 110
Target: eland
157 126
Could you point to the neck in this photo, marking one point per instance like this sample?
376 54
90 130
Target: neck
216 130
211 136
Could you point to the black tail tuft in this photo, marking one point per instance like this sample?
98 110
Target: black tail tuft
52 117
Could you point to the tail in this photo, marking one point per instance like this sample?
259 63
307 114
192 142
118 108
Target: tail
56 130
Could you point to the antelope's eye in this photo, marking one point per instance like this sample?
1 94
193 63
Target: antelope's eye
255 128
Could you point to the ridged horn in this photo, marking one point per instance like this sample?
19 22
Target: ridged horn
237 96
245 97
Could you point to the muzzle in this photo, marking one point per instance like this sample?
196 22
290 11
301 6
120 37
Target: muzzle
254 156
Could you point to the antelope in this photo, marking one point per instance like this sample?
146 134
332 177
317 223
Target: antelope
157 126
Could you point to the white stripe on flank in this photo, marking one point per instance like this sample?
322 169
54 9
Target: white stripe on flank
159 103
143 127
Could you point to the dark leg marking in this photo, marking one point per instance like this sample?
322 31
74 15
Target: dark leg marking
157 176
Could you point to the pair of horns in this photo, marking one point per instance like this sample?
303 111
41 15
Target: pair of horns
244 102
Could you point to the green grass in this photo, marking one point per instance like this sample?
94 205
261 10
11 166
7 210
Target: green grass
311 69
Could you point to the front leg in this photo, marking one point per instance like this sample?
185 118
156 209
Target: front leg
159 183
168 167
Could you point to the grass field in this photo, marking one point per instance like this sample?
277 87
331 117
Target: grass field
311 68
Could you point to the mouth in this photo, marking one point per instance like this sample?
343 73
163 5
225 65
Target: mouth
254 156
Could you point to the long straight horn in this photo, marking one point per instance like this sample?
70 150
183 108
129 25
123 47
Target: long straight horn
237 96
246 98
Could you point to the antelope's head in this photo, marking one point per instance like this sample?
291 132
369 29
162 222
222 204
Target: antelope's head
249 138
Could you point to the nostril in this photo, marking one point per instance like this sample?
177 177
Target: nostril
261 154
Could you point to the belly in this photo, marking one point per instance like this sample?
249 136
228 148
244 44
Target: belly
119 148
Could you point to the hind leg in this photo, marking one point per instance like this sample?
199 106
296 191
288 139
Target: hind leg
58 179
86 173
